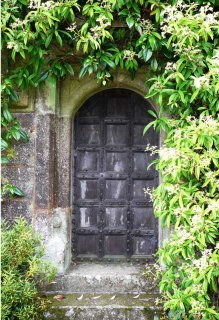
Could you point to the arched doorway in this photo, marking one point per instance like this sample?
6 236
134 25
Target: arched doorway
112 219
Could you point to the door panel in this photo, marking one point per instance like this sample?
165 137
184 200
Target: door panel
112 218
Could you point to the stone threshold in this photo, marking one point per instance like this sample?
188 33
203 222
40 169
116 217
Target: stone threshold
105 278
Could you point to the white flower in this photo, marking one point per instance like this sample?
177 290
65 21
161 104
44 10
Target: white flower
183 235
148 192
102 20
197 83
49 5
210 175
152 149
177 212
197 210
197 307
17 23
201 81
216 56
214 205
72 27
205 162
33 4
170 66
12 45
197 221
147 26
207 252
129 54
201 264
168 153
106 4
210 122
211 18
205 9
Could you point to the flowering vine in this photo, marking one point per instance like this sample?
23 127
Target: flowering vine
188 200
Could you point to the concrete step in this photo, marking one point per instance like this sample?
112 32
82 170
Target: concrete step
105 307
105 278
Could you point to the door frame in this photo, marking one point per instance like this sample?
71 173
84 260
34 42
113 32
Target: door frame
67 97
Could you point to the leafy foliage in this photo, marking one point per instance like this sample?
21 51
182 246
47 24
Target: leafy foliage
189 83
188 199
178 42
23 270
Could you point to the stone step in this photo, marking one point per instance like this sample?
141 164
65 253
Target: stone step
105 307
104 278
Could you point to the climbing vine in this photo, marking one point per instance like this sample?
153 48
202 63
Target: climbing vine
178 43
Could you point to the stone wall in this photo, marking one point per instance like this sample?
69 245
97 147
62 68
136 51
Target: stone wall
42 168
21 172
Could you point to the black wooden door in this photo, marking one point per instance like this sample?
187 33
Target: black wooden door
112 219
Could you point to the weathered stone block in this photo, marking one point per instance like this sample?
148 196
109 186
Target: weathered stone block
54 228
64 162
25 151
27 120
25 103
46 97
45 157
16 208
5 210
21 177
21 209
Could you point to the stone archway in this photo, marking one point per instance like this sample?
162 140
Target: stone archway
67 99
75 92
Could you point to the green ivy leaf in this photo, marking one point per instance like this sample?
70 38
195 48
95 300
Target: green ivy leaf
147 127
194 95
48 40
24 2
15 133
154 64
18 192
109 62
130 22
4 145
58 38
82 72
4 160
24 136
69 69
43 76
148 55
152 113
7 115
14 95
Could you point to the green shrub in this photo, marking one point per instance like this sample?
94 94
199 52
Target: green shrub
24 273
188 200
